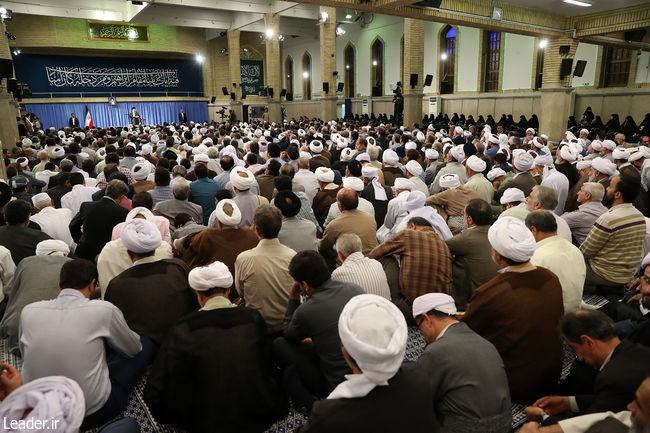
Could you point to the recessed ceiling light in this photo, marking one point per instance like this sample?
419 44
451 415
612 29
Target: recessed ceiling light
578 3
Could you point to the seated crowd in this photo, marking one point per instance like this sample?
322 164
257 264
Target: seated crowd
250 268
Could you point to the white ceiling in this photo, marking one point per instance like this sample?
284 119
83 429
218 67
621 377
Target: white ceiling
566 9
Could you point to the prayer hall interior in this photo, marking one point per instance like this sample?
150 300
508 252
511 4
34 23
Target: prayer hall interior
325 216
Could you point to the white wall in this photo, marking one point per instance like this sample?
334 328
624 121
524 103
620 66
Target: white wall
518 56
588 52
431 56
468 41
643 68
391 30
296 47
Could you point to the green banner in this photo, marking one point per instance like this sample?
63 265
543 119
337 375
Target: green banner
252 76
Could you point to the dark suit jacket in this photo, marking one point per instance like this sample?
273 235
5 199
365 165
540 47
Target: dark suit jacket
56 193
73 122
21 241
524 181
182 117
97 219
381 207
617 382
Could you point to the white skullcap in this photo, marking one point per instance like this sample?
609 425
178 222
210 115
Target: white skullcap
371 141
341 142
141 171
306 155
45 248
538 143
596 145
201 157
621 154
414 168
353 183
404 183
26 142
369 171
530 130
241 178
214 275
512 194
58 152
374 333
147 149
346 154
458 153
523 161
493 138
609 145
567 154
420 136
637 155
146 213
410 146
224 218
434 301
415 200
581 165
467 133
494 173
586 131
646 260
324 174
476 164
449 181
390 157
458 130
154 138
22 161
510 237
363 157
41 197
140 236
316 146
101 153
604 166
545 160
431 154
301 132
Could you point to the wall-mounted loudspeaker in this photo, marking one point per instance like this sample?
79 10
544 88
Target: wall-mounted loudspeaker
414 80
283 93
565 68
225 91
564 49
428 80
339 87
270 90
214 98
326 87
580 68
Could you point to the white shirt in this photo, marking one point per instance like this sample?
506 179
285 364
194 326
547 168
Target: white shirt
54 222
66 336
7 270
567 262
79 194
560 183
308 180
364 272
334 212
45 176
562 227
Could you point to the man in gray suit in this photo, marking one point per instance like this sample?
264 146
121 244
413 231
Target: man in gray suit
296 233
472 393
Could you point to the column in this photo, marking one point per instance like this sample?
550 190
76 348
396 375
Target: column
413 64
556 101
328 64
234 69
273 69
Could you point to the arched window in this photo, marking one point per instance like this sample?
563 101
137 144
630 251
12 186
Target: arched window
350 62
377 67
288 78
306 76
616 66
492 61
447 69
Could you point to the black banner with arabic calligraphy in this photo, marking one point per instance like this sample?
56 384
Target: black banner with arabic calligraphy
115 75
104 31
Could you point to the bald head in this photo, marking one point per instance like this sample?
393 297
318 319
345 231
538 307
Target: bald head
303 163
347 199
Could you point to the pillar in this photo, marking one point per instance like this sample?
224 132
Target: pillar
328 64
273 69
557 94
413 64
8 107
234 69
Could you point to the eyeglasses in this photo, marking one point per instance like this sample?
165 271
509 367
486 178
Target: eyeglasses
644 279
419 320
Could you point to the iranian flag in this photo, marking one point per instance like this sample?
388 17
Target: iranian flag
89 119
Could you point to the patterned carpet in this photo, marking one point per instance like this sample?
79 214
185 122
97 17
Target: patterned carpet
138 410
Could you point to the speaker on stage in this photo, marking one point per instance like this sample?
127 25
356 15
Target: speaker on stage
283 93
580 68
225 91
326 87
414 80
428 80
214 98
339 87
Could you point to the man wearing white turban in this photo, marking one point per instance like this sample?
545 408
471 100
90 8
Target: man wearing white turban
555 179
140 172
533 306
413 170
373 334
375 192
242 180
355 184
453 158
396 211
475 167
152 294
327 194
451 202
53 222
228 337
46 344
464 369
391 170
523 162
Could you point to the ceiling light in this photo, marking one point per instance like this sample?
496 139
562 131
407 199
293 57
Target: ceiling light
280 38
340 31
374 63
543 43
578 3
288 76
348 17
3 11
269 33
324 16
443 56
305 74
16 52
199 58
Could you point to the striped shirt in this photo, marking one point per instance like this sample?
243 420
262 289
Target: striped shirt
614 245
366 273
